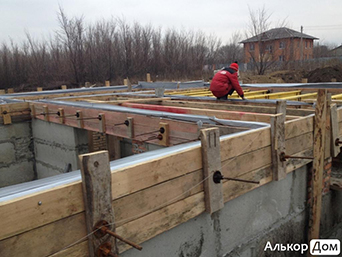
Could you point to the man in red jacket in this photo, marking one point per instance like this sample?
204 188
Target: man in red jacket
225 82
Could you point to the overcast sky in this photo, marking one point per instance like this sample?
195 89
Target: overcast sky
320 18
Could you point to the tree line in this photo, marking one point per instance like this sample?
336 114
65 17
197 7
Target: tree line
111 50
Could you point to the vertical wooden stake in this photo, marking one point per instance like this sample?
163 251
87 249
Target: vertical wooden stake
125 82
39 89
2 91
148 77
130 127
102 127
335 149
33 111
64 87
166 135
97 195
318 163
211 159
61 115
80 121
107 83
278 141
46 112
10 90
129 85
6 116
327 153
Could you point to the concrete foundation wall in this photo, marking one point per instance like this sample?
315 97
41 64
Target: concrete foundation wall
57 147
275 212
16 154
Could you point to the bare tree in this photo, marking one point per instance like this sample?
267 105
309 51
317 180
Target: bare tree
260 49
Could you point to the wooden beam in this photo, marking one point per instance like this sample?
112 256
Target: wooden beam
102 124
335 149
97 195
64 87
210 139
278 141
130 127
318 163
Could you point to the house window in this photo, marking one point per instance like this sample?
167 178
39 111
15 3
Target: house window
251 46
269 48
306 44
281 58
281 45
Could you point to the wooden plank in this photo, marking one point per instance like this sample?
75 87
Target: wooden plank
232 107
162 220
244 143
231 115
335 149
78 250
45 240
294 128
210 145
97 195
318 163
130 127
141 203
80 121
278 141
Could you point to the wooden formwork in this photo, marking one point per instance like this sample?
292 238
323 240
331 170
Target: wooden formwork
154 195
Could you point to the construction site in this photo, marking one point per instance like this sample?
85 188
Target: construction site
164 169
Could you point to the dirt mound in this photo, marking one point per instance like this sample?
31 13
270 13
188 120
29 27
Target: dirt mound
325 74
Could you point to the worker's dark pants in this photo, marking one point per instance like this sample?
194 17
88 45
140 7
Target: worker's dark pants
225 97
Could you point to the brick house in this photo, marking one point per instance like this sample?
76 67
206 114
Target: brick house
279 44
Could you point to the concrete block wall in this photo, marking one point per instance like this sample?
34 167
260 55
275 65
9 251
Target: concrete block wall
57 147
16 154
276 212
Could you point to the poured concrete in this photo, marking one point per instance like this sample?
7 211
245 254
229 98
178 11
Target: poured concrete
57 147
16 154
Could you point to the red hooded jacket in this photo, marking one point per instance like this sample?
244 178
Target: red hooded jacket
225 82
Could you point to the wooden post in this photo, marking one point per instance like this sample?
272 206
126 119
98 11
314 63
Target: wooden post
129 85
64 87
125 82
10 90
211 159
6 116
114 149
130 128
335 149
318 163
97 195
61 115
79 116
333 80
148 77
107 83
39 89
46 112
327 148
278 141
2 91
166 135
102 127
33 111
304 80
